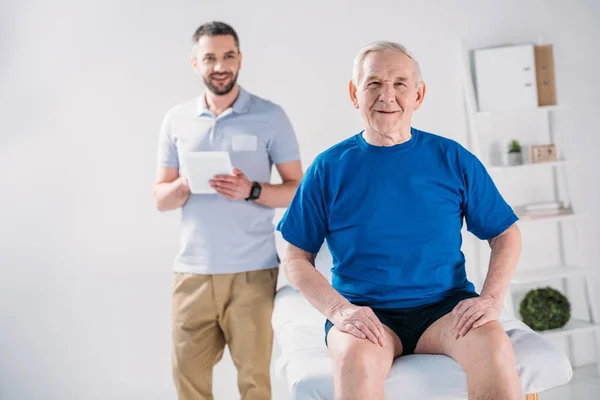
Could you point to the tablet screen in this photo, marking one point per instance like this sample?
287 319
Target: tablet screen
201 166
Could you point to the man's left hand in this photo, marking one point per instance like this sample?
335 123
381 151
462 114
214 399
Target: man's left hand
473 313
234 187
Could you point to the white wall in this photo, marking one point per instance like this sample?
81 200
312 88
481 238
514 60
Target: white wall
85 258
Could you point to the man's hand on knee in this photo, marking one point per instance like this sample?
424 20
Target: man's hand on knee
473 313
360 322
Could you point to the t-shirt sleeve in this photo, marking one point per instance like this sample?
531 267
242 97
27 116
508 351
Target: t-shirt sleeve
305 222
167 150
486 212
283 146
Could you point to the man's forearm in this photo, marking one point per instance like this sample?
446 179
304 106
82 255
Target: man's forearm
317 290
170 195
278 196
506 250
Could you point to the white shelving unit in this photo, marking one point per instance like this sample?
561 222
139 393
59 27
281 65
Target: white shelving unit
574 326
527 276
523 110
528 166
542 274
526 220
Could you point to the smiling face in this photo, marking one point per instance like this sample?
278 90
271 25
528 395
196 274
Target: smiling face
386 92
217 61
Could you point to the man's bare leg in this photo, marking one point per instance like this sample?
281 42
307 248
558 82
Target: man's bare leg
485 353
359 366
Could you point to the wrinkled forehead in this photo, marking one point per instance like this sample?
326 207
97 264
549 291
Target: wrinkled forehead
387 65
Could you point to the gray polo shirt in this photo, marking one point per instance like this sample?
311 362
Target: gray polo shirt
218 235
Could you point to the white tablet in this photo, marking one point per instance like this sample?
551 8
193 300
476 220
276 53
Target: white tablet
201 166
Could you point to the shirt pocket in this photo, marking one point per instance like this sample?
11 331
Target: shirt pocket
244 142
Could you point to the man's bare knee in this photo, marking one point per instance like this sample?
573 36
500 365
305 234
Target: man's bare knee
355 354
359 356
487 356
491 347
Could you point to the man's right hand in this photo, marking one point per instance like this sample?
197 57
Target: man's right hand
360 322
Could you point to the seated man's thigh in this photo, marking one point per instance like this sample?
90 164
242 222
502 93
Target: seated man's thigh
348 351
480 346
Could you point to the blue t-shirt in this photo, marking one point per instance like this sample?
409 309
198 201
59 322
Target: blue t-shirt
392 217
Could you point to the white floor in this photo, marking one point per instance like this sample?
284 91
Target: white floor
585 385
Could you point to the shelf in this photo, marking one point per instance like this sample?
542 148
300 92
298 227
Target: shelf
526 166
529 219
574 326
545 274
519 111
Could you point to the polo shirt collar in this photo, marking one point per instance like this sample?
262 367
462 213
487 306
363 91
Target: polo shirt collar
240 105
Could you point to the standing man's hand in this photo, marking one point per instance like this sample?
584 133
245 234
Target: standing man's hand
360 322
475 312
236 187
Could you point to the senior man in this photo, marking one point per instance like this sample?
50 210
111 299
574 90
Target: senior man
390 201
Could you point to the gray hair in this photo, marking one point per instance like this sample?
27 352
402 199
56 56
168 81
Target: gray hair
381 46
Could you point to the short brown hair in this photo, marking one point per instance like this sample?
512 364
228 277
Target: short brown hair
215 28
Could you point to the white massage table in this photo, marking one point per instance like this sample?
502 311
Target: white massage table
305 364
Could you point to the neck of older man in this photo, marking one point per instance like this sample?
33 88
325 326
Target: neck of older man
375 138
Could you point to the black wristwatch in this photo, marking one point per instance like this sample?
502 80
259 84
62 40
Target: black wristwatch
255 191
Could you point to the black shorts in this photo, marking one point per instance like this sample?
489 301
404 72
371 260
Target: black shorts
410 323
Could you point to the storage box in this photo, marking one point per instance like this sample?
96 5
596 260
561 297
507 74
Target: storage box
515 77
506 78
544 71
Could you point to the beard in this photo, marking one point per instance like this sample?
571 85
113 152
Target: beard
220 90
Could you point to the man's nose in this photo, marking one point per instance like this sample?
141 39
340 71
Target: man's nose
219 66
387 94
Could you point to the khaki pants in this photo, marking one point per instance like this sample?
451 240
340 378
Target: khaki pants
209 311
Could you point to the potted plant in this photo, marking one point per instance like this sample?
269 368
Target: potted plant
515 157
545 308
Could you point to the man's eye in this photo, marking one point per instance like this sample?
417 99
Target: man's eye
400 84
373 84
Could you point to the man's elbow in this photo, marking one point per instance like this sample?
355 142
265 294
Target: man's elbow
159 206
159 201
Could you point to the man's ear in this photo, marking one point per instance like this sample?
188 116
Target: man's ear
352 90
194 62
421 89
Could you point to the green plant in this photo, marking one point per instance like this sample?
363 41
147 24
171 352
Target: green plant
514 147
545 308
